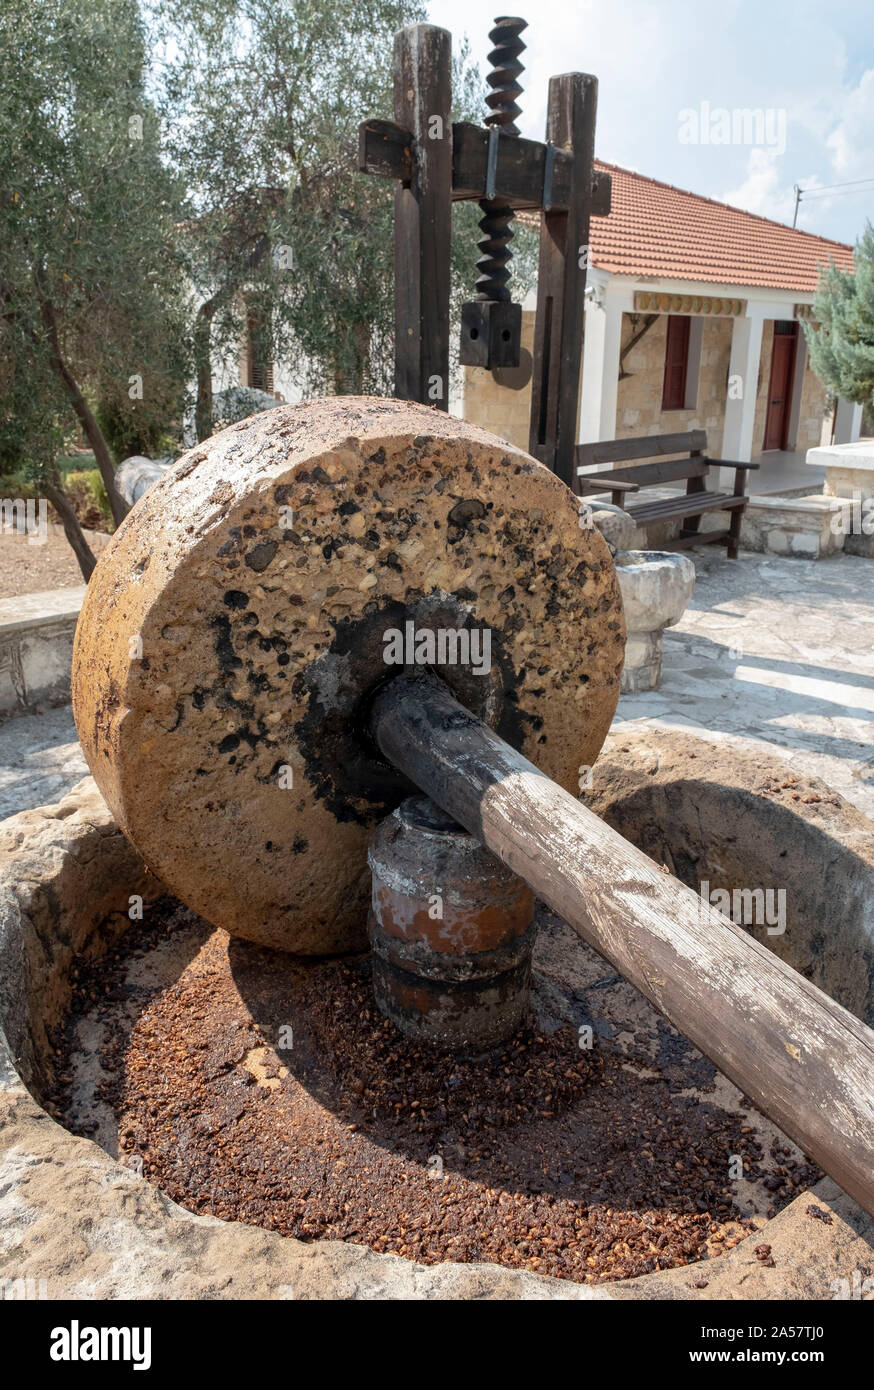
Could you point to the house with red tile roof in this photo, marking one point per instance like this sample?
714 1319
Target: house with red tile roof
693 320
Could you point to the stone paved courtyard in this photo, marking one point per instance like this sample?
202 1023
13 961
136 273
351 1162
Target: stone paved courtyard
772 654
779 655
40 759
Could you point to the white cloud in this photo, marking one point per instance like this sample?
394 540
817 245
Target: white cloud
653 59
851 143
762 190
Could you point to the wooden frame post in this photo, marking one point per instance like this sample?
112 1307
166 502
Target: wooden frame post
561 282
423 205
436 164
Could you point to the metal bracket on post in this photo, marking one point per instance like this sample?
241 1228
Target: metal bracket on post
492 162
548 169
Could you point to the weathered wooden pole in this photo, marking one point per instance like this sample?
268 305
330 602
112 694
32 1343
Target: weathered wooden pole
561 279
801 1058
423 206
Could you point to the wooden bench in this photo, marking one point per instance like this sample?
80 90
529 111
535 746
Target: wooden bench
690 506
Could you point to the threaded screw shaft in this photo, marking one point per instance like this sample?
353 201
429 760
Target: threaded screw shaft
494 244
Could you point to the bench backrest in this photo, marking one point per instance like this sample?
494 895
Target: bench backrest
653 446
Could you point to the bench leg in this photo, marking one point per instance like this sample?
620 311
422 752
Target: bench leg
693 486
734 532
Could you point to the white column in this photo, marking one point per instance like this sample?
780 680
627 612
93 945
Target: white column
592 377
848 422
740 404
600 375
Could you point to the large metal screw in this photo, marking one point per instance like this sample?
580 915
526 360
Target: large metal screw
491 325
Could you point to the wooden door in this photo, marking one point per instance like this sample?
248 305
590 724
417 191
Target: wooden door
780 385
676 362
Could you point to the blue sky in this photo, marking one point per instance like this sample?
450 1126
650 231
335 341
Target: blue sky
672 70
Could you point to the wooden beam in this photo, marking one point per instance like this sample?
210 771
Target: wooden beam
422 98
519 177
561 284
649 320
653 474
644 447
386 150
594 482
801 1058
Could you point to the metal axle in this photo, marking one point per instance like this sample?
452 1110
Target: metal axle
450 927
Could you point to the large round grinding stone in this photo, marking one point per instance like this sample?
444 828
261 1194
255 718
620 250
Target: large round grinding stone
235 629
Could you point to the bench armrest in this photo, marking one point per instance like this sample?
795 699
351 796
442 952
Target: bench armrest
730 463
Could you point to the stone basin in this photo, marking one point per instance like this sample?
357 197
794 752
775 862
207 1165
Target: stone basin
656 586
76 1217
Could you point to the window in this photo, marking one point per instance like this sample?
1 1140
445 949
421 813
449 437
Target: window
259 367
676 362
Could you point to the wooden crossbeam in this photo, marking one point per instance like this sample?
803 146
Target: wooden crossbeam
435 163
386 150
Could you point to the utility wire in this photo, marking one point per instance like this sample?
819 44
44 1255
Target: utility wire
822 189
847 193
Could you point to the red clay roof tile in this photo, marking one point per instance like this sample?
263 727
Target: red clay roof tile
657 230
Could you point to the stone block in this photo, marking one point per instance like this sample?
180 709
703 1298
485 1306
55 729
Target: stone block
810 528
849 474
36 645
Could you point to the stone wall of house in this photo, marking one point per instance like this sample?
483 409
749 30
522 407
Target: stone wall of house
499 408
813 417
639 398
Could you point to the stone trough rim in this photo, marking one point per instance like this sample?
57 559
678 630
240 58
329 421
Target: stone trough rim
220 1254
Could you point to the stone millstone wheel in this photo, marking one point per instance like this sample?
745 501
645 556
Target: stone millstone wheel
234 631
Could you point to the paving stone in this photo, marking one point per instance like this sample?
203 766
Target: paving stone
775 655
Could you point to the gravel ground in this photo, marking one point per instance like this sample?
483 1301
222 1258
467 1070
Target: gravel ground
31 569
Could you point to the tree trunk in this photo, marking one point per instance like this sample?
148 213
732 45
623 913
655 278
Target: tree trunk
202 344
90 427
349 372
72 530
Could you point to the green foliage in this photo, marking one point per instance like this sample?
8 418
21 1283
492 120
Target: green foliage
32 408
842 345
88 494
262 100
84 487
142 427
90 281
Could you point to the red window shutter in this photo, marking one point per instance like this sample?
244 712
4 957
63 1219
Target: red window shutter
676 362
